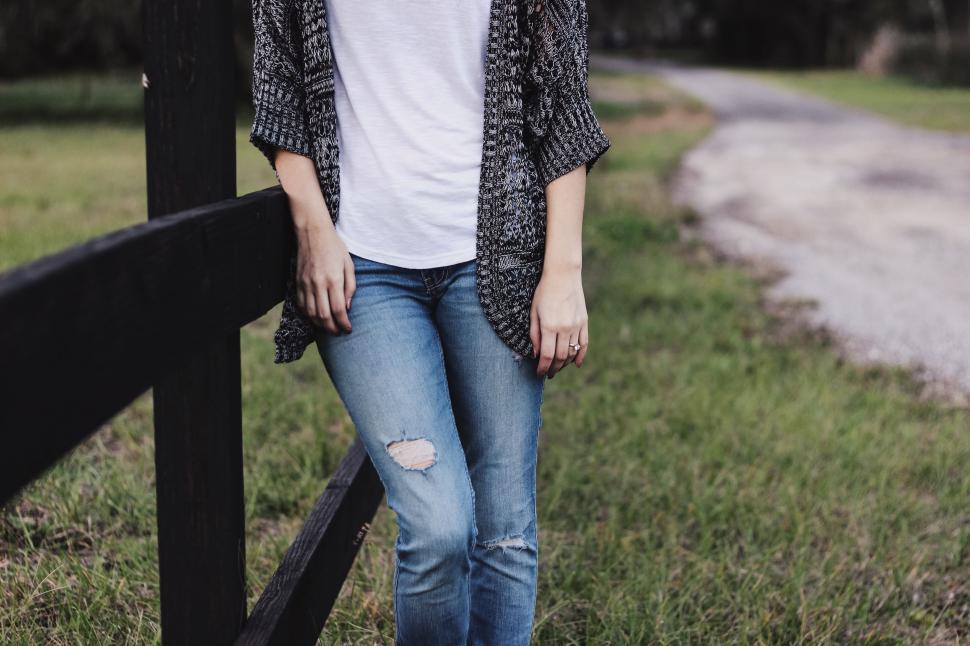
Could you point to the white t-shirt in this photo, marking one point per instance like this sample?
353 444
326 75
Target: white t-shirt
409 94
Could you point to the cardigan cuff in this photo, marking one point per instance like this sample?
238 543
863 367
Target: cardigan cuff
278 121
574 137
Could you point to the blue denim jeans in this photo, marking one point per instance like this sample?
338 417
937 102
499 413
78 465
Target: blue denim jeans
450 417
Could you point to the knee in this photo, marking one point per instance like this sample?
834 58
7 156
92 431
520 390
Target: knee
449 545
441 549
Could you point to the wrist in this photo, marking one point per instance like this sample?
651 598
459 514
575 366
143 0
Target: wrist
564 271
314 222
311 232
563 264
309 213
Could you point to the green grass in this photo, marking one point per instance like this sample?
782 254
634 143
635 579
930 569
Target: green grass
908 102
711 475
72 162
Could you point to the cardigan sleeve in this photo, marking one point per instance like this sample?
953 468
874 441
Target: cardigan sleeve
278 100
560 116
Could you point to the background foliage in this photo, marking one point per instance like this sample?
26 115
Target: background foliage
96 34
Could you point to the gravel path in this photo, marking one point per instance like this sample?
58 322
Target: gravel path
867 218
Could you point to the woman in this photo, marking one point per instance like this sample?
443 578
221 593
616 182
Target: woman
453 140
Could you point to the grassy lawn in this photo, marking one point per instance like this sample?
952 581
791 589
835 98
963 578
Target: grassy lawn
905 101
72 163
712 475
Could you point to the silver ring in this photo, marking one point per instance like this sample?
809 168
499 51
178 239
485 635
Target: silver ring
575 346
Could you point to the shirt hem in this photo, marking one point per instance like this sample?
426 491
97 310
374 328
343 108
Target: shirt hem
440 260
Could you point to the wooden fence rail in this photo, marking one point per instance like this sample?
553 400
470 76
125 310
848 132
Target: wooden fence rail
85 331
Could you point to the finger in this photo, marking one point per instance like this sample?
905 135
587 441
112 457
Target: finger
312 312
301 300
547 352
562 352
571 347
338 307
534 333
309 304
350 280
323 311
584 342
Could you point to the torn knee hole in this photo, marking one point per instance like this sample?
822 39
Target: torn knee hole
413 454
510 542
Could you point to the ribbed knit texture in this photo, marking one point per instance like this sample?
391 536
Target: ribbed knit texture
538 125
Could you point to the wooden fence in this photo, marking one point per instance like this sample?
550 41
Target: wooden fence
159 305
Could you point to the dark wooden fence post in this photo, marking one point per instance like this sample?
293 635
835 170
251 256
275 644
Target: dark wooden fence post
190 147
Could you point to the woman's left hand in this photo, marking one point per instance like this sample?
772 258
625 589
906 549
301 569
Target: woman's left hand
557 319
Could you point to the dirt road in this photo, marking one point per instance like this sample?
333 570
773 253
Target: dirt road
867 218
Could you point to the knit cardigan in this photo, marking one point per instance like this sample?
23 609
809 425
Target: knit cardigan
539 124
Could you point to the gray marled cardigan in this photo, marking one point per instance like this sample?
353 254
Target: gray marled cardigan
539 125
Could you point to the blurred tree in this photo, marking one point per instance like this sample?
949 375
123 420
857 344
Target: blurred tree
796 32
40 37
90 35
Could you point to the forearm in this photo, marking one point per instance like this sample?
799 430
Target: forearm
324 272
565 200
298 178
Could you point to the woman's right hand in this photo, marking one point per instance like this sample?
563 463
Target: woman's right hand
325 281
324 276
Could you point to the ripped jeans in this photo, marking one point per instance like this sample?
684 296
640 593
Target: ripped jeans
450 417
